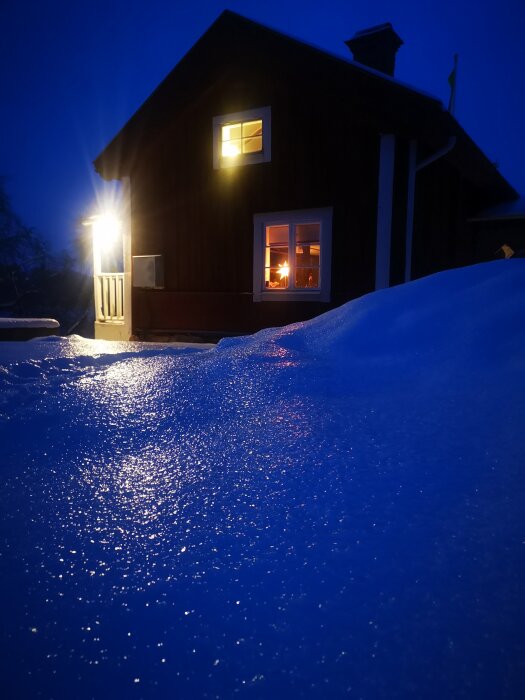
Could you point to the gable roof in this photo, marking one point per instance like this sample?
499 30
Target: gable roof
422 114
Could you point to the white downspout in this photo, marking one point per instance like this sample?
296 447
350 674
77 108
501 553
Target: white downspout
384 209
438 154
413 169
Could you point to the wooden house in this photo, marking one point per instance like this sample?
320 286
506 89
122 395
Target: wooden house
270 181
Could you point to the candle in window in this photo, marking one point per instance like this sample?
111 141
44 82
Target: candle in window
284 271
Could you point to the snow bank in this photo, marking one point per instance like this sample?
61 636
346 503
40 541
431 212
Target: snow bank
29 323
332 509
473 315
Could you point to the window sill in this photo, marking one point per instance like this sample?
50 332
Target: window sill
288 295
240 160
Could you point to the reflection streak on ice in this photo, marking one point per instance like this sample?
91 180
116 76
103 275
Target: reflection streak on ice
144 489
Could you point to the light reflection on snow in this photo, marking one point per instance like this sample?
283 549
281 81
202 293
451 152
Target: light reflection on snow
263 520
177 487
121 387
153 487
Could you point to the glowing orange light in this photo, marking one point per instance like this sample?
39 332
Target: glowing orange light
284 270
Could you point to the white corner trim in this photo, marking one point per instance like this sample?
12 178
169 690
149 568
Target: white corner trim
411 198
385 195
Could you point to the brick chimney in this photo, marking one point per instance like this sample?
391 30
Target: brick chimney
376 47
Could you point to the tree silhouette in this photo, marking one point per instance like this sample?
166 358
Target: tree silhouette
36 284
22 254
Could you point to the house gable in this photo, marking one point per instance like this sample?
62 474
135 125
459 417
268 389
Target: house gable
232 42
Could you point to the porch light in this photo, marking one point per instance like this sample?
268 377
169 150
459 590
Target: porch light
106 230
106 237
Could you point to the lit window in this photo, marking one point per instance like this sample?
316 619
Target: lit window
243 138
277 253
292 255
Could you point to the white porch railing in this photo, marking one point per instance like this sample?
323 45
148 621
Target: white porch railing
109 297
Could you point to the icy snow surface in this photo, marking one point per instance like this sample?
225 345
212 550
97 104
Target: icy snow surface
333 509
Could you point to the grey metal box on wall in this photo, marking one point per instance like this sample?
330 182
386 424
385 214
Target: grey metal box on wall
148 271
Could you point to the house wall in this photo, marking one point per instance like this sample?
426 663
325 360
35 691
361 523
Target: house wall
201 219
325 153
442 235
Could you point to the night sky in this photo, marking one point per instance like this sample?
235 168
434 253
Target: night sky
72 73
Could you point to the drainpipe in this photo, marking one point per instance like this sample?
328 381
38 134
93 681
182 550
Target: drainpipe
413 168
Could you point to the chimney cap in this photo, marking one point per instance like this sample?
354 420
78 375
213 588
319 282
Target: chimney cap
384 32
376 47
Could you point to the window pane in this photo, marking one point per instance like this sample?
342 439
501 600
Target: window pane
308 254
252 144
278 256
276 266
307 277
252 128
277 277
277 235
231 131
244 137
231 148
307 258
307 233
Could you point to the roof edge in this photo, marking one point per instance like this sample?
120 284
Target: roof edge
228 16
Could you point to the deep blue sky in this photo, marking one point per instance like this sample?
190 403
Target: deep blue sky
72 73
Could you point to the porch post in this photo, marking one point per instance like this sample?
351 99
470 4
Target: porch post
126 250
97 268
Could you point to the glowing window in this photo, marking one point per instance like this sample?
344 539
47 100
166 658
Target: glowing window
242 138
292 255
276 256
307 255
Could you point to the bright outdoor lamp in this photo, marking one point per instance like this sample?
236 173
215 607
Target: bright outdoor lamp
106 229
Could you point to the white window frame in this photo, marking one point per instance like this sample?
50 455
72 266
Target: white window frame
292 218
264 156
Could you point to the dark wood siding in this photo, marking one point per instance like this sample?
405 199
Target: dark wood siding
441 235
201 219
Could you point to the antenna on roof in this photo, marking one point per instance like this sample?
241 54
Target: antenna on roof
452 81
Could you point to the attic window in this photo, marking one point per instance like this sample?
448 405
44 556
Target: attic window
242 138
292 255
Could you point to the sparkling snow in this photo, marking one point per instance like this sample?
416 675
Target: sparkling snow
332 509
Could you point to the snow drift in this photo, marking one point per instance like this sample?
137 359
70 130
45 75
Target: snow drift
332 509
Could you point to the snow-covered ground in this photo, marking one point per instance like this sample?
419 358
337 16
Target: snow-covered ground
332 509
